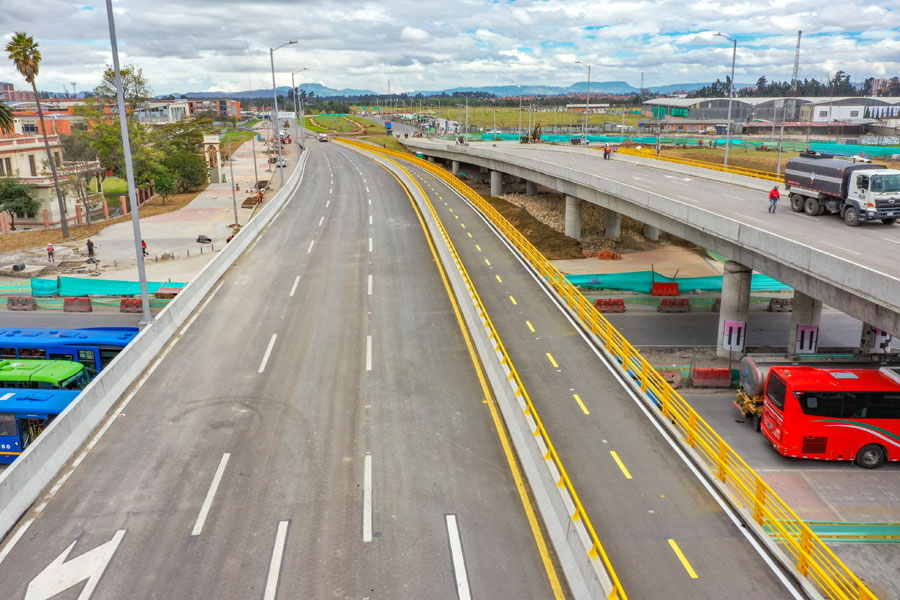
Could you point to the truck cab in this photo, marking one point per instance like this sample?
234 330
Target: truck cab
877 192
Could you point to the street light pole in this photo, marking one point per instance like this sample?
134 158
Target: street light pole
520 110
231 172
129 170
275 115
587 100
730 95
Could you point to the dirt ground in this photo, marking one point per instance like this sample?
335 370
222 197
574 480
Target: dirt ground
36 238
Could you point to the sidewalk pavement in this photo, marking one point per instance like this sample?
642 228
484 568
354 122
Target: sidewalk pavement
175 234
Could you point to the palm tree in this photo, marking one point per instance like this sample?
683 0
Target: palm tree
23 51
6 118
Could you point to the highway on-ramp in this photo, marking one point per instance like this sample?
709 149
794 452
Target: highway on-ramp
316 430
665 533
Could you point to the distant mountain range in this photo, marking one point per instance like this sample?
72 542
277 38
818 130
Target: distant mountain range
597 87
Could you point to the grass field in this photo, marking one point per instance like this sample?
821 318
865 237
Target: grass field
236 136
385 141
737 157
508 117
370 126
115 186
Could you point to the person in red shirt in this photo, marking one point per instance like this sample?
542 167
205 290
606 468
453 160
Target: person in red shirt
774 197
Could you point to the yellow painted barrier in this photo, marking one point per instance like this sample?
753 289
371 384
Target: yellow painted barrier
650 153
813 559
580 514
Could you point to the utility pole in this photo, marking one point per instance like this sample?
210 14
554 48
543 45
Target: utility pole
789 104
277 126
233 190
587 101
730 95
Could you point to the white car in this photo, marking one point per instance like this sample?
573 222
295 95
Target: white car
280 163
322 137
860 159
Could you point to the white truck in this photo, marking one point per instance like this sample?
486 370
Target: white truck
820 183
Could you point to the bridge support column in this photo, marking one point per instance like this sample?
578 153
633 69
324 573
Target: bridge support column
530 188
873 340
806 311
454 167
613 223
496 183
735 299
573 217
651 232
431 159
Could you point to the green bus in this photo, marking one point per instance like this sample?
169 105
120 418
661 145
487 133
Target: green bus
43 374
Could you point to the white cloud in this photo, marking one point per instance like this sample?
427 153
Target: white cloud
426 44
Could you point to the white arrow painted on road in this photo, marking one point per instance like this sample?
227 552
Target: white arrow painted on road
61 575
678 178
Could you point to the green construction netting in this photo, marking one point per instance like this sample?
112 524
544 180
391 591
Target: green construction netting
76 286
642 282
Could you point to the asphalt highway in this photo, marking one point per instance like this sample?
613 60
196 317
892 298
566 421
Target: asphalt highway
666 535
316 430
873 244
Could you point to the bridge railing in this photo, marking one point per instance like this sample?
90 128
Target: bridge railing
811 556
703 164
580 514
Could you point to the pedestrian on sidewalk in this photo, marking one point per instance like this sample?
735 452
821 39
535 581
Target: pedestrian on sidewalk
606 152
144 247
774 197
50 252
90 249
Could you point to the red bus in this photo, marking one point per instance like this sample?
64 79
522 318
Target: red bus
834 414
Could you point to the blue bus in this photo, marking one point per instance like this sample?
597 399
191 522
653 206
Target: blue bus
24 414
94 347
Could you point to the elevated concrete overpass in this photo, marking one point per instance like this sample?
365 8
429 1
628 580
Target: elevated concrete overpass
855 270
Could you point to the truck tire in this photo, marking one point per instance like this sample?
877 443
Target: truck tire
823 208
811 207
851 217
889 221
797 203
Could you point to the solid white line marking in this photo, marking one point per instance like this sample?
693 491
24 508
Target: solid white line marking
370 285
732 197
294 287
367 499
262 365
459 563
207 502
275 563
839 247
12 541
322 220
368 353
370 244
311 242
891 241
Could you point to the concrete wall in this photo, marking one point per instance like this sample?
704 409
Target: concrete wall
859 291
24 481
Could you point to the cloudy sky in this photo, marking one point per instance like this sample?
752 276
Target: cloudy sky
222 45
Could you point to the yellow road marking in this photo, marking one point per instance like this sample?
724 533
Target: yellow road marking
478 247
463 224
530 514
451 210
469 234
487 262
583 407
513 300
552 362
621 464
498 279
529 326
457 216
684 562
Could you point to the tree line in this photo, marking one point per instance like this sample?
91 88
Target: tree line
838 85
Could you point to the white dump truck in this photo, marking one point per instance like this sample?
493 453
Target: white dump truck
820 183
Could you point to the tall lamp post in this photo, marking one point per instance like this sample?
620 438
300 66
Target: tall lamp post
520 108
129 170
587 100
730 94
296 109
275 97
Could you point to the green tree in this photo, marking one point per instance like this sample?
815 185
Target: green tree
893 87
188 168
77 150
164 184
135 87
6 118
24 53
17 198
